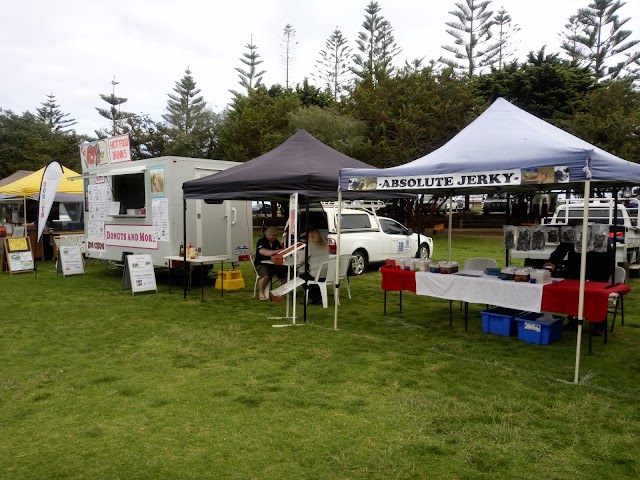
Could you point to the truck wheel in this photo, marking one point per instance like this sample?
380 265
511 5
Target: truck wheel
423 252
358 262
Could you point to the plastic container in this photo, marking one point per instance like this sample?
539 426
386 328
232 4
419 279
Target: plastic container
508 273
448 267
500 321
533 328
434 267
521 275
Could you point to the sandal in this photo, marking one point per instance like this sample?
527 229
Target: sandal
262 298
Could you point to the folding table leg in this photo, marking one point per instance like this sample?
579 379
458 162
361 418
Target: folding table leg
466 315
385 302
400 300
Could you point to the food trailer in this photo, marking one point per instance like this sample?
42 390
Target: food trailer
137 207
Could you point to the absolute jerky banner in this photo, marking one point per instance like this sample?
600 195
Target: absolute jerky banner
500 178
453 180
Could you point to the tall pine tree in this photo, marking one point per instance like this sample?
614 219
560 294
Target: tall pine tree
503 47
251 78
184 108
376 45
113 113
51 114
595 35
472 32
333 70
288 47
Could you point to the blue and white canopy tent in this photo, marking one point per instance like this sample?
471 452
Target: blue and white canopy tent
505 149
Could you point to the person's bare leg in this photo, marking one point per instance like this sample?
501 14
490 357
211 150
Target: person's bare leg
262 284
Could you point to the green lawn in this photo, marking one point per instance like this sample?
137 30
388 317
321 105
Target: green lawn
98 384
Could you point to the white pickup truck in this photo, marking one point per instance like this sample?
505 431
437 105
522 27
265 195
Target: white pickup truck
601 212
366 236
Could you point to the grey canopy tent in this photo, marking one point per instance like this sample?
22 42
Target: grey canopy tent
301 164
505 149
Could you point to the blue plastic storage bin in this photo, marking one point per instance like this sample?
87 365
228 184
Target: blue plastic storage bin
500 321
541 333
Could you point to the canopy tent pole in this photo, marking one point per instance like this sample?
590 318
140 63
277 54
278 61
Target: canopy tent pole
507 221
336 297
419 219
583 274
450 226
615 235
184 243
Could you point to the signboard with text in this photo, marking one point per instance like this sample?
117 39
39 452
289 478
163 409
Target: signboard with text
131 236
70 261
139 275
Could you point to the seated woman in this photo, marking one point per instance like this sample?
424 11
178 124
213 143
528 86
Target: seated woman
266 247
318 253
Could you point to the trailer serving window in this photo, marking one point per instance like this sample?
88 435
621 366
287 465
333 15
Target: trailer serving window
129 190
128 186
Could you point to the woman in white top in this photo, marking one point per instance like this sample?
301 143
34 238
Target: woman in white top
318 253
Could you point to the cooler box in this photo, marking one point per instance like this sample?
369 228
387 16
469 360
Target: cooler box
531 330
500 321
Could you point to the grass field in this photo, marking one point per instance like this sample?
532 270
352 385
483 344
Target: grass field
98 384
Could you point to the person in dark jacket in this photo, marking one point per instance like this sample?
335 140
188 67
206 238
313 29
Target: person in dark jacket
599 264
599 269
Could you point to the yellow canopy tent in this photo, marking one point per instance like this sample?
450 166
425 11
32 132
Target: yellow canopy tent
29 186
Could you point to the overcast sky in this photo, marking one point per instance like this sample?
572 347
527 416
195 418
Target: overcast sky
74 49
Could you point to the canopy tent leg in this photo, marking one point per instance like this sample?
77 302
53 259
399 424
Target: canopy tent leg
583 275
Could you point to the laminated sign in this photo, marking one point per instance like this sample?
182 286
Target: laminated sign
139 275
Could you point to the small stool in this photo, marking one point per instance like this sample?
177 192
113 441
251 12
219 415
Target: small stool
232 280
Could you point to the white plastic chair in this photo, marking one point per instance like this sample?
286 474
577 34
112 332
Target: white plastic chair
615 299
326 275
345 260
267 289
479 263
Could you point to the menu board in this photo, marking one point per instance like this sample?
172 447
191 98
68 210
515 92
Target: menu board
139 274
17 252
70 261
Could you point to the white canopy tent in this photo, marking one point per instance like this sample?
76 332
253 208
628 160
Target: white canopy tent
505 150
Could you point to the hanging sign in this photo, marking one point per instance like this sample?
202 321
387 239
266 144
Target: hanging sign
139 274
496 178
17 251
70 261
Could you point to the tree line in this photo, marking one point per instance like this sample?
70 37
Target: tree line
365 105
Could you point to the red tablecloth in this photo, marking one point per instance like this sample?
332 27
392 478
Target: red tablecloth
559 298
563 298
396 280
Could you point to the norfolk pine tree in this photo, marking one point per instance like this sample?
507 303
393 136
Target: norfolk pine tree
595 36
250 78
184 107
288 47
502 48
332 66
51 114
377 47
472 31
113 114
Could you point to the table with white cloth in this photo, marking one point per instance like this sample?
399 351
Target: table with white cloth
471 286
